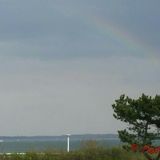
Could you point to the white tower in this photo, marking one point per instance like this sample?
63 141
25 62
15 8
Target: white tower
68 135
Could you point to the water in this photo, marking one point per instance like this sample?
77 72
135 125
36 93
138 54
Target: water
6 147
23 144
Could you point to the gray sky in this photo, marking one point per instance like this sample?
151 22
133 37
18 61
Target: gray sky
64 62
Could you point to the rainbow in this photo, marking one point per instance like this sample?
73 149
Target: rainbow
130 41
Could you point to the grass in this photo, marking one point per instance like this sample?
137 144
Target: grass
86 153
89 150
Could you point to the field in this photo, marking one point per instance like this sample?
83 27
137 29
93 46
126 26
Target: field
88 152
51 148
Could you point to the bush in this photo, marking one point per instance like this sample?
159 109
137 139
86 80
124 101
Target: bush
86 153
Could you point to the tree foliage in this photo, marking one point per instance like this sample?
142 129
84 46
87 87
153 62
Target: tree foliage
142 116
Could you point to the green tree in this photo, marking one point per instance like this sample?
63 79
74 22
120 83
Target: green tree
142 116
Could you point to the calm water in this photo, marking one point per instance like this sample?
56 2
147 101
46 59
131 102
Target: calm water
24 146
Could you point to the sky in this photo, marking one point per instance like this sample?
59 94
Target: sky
64 62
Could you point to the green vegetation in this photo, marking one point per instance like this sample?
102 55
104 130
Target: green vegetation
142 116
87 153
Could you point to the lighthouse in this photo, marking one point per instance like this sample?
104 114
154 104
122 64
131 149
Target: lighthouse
68 136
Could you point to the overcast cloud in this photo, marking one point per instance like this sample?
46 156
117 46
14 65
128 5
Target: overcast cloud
61 70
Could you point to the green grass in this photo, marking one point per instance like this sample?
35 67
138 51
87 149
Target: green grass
86 153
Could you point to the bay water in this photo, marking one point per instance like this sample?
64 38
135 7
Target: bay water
39 143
